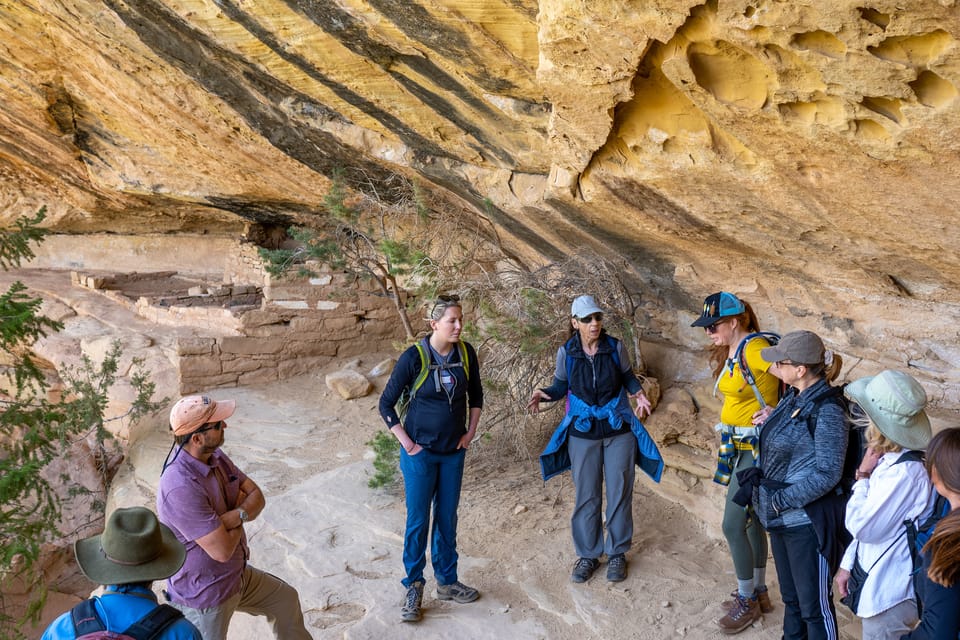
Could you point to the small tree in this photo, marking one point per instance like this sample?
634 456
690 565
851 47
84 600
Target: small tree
525 316
388 233
36 428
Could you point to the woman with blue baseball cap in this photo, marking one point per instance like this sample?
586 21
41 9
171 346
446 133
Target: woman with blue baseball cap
750 391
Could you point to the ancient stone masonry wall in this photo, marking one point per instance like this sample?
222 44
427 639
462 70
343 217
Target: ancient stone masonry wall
302 325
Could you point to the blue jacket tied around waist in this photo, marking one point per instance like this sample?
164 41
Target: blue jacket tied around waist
555 459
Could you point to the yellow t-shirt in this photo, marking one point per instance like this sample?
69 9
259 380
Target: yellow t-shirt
739 401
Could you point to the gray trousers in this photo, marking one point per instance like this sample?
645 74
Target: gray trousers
896 621
262 594
592 461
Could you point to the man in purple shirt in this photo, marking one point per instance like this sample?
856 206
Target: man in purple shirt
205 499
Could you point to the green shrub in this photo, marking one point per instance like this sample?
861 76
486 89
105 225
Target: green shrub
386 460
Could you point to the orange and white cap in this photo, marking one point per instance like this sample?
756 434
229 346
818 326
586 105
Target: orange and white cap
192 412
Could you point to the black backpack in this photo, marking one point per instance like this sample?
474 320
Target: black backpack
87 624
856 439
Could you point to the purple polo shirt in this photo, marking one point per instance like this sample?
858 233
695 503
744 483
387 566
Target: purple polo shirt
190 500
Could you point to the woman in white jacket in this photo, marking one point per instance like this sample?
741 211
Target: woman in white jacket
892 486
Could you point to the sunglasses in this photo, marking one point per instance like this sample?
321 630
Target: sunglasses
452 297
713 327
590 318
781 363
214 426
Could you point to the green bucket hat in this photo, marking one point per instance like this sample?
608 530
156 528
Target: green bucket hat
134 547
894 401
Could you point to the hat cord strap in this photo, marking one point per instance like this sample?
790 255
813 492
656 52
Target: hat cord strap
130 564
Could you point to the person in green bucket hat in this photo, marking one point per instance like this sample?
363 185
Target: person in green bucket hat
892 487
133 551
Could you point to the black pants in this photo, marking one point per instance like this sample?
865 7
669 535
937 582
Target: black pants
805 585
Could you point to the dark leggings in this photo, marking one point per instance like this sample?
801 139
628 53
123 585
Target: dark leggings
747 539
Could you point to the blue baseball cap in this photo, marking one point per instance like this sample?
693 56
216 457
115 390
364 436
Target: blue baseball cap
718 306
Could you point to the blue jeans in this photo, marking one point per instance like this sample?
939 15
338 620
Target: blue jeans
804 584
431 478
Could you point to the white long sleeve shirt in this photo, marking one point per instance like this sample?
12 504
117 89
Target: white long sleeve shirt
875 515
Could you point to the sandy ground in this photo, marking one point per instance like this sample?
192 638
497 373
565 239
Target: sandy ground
340 542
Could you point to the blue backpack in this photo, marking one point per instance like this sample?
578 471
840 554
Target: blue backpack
919 533
87 624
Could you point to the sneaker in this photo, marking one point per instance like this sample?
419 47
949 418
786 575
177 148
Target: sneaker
584 569
763 599
616 568
458 592
410 611
744 613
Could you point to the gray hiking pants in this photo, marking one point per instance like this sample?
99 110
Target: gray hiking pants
592 462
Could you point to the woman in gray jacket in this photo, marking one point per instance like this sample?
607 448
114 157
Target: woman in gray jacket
802 450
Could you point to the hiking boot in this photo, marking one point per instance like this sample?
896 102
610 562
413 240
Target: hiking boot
763 598
744 613
616 568
584 569
410 611
458 592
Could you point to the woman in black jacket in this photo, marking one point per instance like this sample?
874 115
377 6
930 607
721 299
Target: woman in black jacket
802 450
939 589
441 376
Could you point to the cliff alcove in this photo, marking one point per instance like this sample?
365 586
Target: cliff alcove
802 155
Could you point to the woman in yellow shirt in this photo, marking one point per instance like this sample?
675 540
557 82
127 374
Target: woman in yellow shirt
730 323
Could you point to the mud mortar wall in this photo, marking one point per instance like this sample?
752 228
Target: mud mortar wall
302 324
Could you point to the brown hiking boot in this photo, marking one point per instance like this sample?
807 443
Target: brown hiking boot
763 598
744 613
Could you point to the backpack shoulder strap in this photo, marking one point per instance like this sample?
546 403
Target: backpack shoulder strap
741 358
150 626
464 358
615 350
85 618
832 394
423 351
910 456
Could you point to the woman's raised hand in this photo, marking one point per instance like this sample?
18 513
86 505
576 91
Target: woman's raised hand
534 405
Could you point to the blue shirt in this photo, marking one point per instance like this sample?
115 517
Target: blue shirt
118 608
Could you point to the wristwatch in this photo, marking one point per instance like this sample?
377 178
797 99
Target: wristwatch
243 515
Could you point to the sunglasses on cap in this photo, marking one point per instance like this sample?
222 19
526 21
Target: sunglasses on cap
213 426
590 318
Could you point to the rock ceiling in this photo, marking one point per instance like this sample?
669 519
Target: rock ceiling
804 154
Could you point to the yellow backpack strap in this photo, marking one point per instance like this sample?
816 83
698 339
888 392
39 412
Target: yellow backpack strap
424 369
465 359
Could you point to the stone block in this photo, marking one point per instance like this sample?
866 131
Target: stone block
239 365
290 304
260 317
189 384
339 323
349 384
380 329
328 305
306 323
250 346
310 348
196 346
266 373
199 366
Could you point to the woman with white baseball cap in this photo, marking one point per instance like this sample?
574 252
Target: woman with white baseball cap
892 487
600 439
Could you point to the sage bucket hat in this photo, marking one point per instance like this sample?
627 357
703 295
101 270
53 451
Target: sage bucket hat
134 547
894 401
